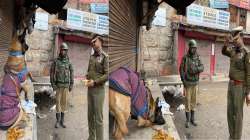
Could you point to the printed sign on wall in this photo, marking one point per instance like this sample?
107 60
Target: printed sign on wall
208 17
160 17
219 4
93 1
99 8
86 21
41 21
74 19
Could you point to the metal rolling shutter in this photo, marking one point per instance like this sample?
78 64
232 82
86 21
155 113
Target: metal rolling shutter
6 29
122 34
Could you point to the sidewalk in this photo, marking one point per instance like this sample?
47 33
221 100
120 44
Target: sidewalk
211 115
31 128
136 133
75 119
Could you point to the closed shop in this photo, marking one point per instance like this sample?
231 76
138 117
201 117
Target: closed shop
79 51
123 34
204 50
79 57
79 48
209 50
222 62
6 29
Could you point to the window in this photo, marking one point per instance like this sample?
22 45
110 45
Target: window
242 17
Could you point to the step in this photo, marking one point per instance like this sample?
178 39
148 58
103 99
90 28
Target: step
31 129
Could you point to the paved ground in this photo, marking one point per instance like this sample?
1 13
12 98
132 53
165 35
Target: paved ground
211 115
30 129
76 118
146 133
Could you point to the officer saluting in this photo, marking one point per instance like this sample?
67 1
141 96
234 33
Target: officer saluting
239 84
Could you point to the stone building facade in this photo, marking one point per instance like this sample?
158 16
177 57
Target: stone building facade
158 47
42 44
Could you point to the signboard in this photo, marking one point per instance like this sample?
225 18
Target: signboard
103 24
99 8
160 17
223 20
207 17
245 4
86 21
219 4
89 22
74 18
195 14
93 1
41 21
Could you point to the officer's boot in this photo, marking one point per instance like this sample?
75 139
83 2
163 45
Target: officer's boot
57 120
62 120
187 119
192 119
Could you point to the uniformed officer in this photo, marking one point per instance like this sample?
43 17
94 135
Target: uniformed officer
239 84
190 69
62 80
97 76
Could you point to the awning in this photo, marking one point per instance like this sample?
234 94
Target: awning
179 5
51 6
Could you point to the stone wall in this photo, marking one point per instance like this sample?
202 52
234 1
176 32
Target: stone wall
40 51
41 44
157 47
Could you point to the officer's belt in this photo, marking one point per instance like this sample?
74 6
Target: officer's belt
237 82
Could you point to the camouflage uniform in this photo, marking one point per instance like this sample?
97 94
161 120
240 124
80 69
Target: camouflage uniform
97 71
239 75
190 69
62 80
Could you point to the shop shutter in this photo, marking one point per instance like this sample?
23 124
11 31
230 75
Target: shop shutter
123 34
6 29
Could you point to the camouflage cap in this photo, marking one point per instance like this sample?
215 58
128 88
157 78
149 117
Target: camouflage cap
192 43
64 46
